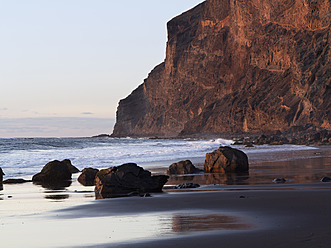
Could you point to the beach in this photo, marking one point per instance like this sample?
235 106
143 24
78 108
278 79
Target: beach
229 211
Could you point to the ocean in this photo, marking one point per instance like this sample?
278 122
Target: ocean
24 157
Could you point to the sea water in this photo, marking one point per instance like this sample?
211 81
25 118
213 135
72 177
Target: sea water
24 157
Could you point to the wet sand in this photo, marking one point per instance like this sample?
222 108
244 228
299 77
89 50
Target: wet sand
226 211
290 218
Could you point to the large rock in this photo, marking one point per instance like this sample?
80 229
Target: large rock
226 159
87 177
237 66
53 172
126 179
182 167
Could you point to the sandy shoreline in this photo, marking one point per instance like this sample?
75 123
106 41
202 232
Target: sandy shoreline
224 211
278 217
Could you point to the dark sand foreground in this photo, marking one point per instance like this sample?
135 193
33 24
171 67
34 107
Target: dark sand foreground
224 212
266 218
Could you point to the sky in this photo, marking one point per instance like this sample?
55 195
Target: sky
65 64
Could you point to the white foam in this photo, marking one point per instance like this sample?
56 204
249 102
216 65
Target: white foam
103 153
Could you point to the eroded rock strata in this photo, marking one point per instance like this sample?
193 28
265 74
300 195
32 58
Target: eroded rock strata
237 66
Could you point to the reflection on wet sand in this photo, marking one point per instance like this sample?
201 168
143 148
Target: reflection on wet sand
58 197
193 223
55 191
61 185
214 178
298 171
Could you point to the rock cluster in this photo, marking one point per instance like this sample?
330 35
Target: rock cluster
296 135
237 67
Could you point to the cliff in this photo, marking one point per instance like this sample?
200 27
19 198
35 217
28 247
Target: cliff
237 66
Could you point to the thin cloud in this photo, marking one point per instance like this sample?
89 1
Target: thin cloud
87 113
55 127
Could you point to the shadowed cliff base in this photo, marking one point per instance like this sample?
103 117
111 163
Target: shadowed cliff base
237 67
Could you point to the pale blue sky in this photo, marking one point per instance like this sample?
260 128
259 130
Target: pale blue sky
77 58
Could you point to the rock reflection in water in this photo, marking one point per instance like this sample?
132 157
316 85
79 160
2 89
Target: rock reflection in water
212 178
61 185
194 223
308 170
58 197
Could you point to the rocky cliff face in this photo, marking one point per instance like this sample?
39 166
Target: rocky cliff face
237 66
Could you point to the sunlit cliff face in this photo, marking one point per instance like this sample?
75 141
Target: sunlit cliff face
237 66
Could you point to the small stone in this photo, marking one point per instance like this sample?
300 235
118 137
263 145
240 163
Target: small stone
326 179
146 195
279 180
187 186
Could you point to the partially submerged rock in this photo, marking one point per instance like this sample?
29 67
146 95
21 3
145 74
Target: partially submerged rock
127 179
53 173
87 177
226 159
182 167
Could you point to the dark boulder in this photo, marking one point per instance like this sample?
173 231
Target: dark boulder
72 168
16 181
1 178
53 173
182 167
126 179
87 177
1 175
226 159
